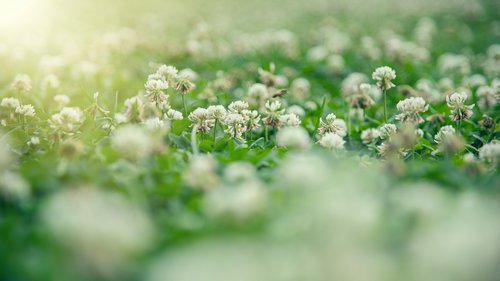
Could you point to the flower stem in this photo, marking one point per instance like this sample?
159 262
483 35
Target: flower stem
215 133
385 106
185 107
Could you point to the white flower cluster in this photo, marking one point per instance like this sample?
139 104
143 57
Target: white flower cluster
67 121
459 110
293 137
201 172
490 152
102 229
410 109
14 109
333 125
384 76
443 133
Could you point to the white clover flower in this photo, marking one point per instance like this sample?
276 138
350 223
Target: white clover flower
273 106
217 111
13 186
273 112
238 172
34 141
333 125
184 86
387 131
156 124
155 83
474 81
410 109
452 63
168 72
188 73
202 119
107 245
50 81
133 142
297 110
317 53
486 96
26 110
303 170
371 90
236 125
300 89
237 106
384 76
289 120
293 137
459 111
173 115
67 120
22 82
11 103
350 85
444 132
362 99
201 172
335 63
62 100
370 135
252 118
332 141
258 92
490 152
239 202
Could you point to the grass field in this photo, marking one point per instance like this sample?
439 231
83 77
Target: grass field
249 140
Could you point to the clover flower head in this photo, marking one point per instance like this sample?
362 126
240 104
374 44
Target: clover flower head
293 137
387 131
62 100
26 110
490 152
22 83
217 111
333 125
332 141
444 132
169 72
202 119
459 110
289 120
11 103
133 142
410 109
173 114
384 76
370 135
237 106
236 125
201 172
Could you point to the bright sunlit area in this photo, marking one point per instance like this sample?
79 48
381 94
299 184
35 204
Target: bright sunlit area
264 140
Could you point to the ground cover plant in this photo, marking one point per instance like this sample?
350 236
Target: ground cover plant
272 140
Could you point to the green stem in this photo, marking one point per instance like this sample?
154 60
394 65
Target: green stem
215 133
385 106
185 106
349 123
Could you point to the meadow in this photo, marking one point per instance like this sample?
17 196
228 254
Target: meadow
250 140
